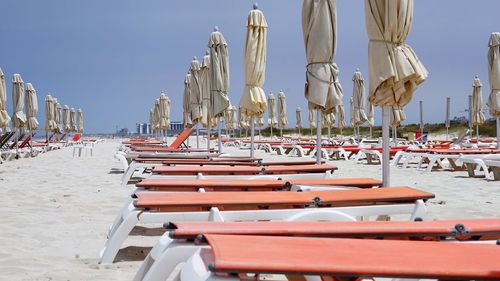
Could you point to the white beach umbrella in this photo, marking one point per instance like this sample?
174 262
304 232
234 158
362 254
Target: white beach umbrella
80 121
18 117
271 111
242 119
219 73
66 119
49 114
151 119
283 121
394 69
228 117
323 90
204 78
298 118
358 99
186 105
163 107
477 104
157 115
494 79
4 116
57 116
72 119
195 92
169 120
31 107
253 101
341 117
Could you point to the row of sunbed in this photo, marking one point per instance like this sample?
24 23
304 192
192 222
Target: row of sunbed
239 218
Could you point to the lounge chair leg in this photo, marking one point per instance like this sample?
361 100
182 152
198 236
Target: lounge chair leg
470 169
117 236
215 215
419 211
432 161
128 175
163 259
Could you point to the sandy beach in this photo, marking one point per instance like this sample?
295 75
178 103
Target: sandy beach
57 210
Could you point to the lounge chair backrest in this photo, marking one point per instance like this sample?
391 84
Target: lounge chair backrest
13 145
183 136
6 139
461 136
26 141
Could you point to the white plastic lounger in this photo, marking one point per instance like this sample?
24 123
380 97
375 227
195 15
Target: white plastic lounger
158 208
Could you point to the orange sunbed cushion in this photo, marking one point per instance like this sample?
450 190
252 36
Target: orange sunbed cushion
189 199
198 183
445 228
352 257
182 170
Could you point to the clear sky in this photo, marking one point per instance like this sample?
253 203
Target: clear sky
112 58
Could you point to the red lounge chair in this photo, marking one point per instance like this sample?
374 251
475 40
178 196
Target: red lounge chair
235 170
158 208
341 258
182 240
251 185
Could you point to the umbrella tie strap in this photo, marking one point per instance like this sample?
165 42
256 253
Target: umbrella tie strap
332 68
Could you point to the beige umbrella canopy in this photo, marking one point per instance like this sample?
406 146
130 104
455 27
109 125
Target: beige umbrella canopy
168 113
66 119
4 116
282 121
394 69
152 119
72 119
164 121
31 107
271 105
494 74
328 120
319 25
50 123
228 116
477 103
219 74
57 116
352 119
204 78
80 120
242 119
341 116
298 117
18 117
371 115
157 115
358 114
195 92
253 101
188 123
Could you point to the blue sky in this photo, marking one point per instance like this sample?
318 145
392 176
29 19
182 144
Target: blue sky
112 58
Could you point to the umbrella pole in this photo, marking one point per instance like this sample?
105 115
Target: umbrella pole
371 132
386 119
318 137
219 134
208 137
281 132
252 129
477 133
271 131
329 133
197 136
17 142
498 132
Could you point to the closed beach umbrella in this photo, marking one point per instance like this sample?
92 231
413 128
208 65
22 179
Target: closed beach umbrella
394 69
228 116
168 113
204 78
253 101
371 117
298 118
31 107
312 118
242 119
341 117
57 116
188 123
66 119
157 115
358 99
163 106
271 105
72 118
219 73
323 90
151 119
80 120
195 91
4 116
18 117
477 104
494 78
49 115
283 121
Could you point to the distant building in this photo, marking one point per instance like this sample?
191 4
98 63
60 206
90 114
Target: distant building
459 120
176 126
142 129
123 132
